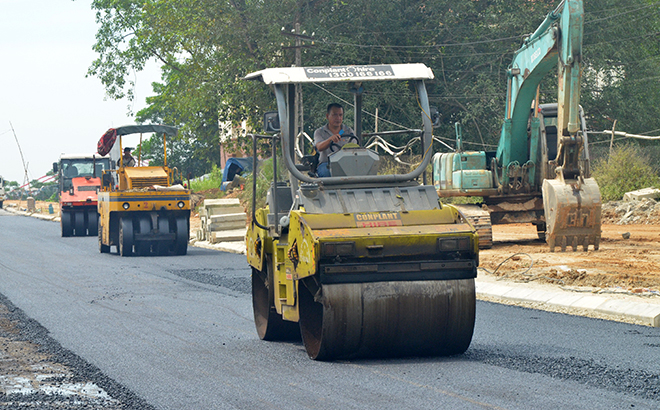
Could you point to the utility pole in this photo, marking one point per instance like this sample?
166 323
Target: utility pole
298 102
612 140
298 106
26 179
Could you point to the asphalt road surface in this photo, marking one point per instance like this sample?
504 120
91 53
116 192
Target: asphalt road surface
177 333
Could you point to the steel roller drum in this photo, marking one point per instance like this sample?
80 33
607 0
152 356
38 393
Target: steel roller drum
386 319
572 213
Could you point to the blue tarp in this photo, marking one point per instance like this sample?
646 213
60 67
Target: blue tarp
235 166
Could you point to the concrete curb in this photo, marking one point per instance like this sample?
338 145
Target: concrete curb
634 311
38 215
231 247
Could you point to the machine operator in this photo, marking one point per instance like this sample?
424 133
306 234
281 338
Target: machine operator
333 132
127 159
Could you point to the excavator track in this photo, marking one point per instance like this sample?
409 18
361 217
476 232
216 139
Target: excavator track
480 219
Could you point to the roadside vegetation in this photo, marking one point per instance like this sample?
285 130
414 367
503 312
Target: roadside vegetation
628 168
212 180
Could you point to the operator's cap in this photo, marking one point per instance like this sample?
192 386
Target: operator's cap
128 149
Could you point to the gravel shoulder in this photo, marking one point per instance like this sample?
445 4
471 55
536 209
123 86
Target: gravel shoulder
36 372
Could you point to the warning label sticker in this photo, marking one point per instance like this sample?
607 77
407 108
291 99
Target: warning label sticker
378 219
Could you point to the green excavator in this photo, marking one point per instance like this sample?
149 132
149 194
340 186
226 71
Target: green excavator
539 173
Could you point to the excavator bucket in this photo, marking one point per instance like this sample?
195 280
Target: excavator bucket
572 212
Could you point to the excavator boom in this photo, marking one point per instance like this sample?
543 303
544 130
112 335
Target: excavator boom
557 42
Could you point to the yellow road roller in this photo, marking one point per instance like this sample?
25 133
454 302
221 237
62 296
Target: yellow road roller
143 210
362 263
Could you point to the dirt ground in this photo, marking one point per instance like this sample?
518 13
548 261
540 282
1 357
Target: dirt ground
628 259
631 264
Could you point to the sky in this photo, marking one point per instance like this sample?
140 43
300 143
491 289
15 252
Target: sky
45 51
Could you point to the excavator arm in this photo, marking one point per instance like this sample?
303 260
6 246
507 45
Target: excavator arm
571 200
539 155
570 73
556 42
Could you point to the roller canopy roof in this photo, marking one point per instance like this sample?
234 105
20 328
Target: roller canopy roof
346 73
138 129
108 139
82 156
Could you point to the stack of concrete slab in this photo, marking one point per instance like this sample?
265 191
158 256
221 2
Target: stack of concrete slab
646 193
223 220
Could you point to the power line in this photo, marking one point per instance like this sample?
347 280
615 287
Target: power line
621 14
619 40
410 48
364 111
425 46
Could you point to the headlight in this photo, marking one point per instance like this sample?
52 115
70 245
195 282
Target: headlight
125 205
338 249
180 204
453 244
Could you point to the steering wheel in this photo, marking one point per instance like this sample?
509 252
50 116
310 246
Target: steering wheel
334 147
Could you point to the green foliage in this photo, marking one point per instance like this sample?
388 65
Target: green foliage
388 166
214 181
183 153
264 180
459 200
627 169
208 46
621 79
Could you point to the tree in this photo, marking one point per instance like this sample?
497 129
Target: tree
208 46
205 46
621 81
181 154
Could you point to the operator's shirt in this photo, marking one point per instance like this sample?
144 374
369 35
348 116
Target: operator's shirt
128 161
323 133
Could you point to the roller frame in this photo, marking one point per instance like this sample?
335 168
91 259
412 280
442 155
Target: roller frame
402 280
